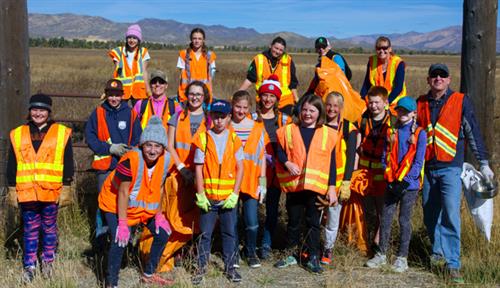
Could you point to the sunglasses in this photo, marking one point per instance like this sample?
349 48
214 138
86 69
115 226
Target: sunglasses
158 81
440 73
382 48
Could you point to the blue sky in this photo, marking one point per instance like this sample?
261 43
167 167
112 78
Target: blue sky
338 18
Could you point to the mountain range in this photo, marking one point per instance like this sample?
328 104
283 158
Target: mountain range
71 26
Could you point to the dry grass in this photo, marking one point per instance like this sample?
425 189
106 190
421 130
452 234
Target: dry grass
85 71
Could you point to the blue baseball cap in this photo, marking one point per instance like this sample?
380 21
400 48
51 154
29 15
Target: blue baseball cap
407 103
221 106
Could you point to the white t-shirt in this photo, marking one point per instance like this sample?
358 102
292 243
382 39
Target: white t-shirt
130 58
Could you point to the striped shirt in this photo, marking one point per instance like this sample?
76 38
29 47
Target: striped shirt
243 129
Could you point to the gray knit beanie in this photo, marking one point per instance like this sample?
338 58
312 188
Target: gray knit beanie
154 132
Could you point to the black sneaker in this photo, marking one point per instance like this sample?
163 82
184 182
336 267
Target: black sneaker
233 275
29 274
313 265
265 252
253 261
198 276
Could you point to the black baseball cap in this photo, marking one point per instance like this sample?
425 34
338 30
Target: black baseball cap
321 42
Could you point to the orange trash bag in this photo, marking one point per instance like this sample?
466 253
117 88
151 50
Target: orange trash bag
332 79
182 213
352 216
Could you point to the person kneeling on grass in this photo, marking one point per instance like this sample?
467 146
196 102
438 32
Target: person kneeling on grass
405 159
219 172
131 196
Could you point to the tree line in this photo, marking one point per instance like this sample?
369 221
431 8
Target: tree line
61 42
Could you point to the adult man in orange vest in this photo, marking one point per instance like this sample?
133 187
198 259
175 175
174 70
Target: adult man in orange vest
275 61
449 120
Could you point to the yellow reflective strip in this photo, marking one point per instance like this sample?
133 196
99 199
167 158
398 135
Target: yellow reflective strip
288 135
325 138
58 158
316 172
218 181
446 133
366 163
99 157
38 165
403 173
203 139
315 183
259 72
145 116
17 138
38 177
445 147
219 191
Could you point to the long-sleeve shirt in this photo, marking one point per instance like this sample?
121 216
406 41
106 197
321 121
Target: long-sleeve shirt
404 133
397 85
252 70
469 130
307 135
37 136
118 121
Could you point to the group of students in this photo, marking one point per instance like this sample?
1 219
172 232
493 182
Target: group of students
178 166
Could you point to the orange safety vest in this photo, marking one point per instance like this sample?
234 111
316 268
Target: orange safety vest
377 76
132 79
253 156
315 164
103 162
218 179
183 139
443 136
341 150
149 111
397 171
372 145
144 193
284 72
195 70
39 175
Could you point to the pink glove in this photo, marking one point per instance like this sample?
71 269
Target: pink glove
160 221
122 233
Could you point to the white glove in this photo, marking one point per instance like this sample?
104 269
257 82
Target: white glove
262 189
118 149
487 172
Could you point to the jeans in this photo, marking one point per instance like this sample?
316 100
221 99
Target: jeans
332 225
227 220
296 203
116 253
272 206
39 216
100 227
441 204
406 203
251 221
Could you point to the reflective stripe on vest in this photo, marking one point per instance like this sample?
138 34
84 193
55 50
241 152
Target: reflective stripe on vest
284 81
149 111
377 75
397 171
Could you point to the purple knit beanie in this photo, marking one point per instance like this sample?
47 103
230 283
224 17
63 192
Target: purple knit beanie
134 30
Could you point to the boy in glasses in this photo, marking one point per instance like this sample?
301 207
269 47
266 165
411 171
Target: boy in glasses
158 103
449 120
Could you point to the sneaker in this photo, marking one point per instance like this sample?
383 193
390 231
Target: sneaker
233 275
377 261
253 261
288 261
455 276
237 260
156 279
304 257
47 270
400 265
326 259
198 276
313 265
265 252
29 274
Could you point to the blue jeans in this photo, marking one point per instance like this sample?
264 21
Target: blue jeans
272 206
251 221
441 203
227 220
100 227
116 252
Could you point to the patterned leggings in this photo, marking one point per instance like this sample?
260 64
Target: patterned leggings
36 214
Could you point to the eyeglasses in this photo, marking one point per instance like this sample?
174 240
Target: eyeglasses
158 81
195 94
440 73
382 48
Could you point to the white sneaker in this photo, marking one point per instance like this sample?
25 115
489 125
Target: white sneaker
400 265
377 261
